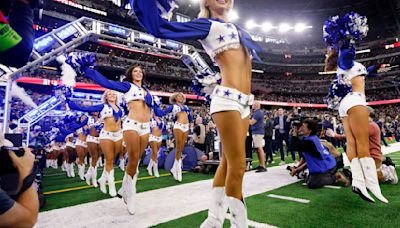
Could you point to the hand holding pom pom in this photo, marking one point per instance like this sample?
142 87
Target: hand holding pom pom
80 61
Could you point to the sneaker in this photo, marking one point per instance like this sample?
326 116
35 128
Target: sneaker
282 163
257 168
261 170
394 179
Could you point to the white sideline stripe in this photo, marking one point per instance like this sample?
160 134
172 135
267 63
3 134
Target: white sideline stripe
328 186
288 198
332 186
252 223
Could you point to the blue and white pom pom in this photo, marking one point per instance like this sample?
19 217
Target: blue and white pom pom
157 100
166 7
352 26
205 83
337 91
80 61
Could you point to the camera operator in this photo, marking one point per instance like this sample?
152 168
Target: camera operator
319 161
16 34
23 211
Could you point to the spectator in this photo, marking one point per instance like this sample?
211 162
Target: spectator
281 133
268 133
257 129
199 135
320 162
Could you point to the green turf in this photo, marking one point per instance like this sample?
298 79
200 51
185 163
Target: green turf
328 208
56 180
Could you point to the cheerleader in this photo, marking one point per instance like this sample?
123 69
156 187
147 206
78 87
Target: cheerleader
110 138
181 114
92 142
157 126
348 92
66 147
136 126
232 49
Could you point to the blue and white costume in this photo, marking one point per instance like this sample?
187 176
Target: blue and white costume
132 92
216 36
352 99
105 111
175 109
160 125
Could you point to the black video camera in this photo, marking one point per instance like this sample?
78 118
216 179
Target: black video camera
9 175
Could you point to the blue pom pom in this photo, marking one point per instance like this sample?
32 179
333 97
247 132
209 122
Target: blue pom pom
352 26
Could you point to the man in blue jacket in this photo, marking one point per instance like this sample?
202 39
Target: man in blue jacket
320 162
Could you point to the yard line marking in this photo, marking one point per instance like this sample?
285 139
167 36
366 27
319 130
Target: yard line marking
305 201
252 223
332 186
329 186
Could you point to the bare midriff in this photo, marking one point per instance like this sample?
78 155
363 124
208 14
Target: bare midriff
235 66
358 84
182 117
139 111
156 131
82 136
111 125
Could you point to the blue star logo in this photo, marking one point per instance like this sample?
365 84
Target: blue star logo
229 26
227 93
240 96
221 38
233 36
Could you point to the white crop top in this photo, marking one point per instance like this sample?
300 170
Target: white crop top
345 76
134 93
92 121
177 109
222 36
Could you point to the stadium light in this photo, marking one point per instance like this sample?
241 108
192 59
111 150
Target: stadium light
300 27
266 27
233 15
284 27
250 24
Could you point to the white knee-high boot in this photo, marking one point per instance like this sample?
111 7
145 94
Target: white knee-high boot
122 164
111 183
238 212
81 171
88 175
179 171
371 178
358 183
103 182
217 209
71 166
128 192
155 169
150 167
94 177
174 169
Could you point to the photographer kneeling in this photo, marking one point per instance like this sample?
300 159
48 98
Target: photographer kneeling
21 210
319 161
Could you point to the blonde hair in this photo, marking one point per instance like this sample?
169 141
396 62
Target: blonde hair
172 99
104 98
205 11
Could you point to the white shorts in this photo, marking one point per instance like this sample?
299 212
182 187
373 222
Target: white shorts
258 141
70 144
133 125
92 139
228 99
351 100
113 136
80 143
183 127
155 138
